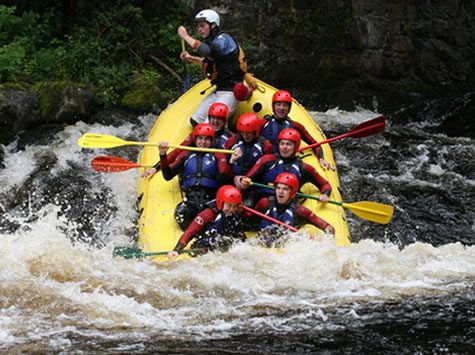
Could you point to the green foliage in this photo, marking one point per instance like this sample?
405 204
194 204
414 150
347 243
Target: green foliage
104 46
11 58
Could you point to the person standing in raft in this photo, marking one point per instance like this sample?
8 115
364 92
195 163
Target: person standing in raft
283 207
218 117
217 227
221 59
201 173
271 126
270 166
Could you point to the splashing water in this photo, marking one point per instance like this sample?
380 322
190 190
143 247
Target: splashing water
61 290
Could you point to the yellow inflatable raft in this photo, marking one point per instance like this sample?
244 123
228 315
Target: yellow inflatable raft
158 230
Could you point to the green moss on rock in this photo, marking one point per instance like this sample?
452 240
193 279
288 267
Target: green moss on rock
143 95
16 86
50 93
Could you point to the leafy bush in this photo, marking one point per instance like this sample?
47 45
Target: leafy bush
104 47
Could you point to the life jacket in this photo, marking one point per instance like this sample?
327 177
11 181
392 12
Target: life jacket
251 154
221 137
220 232
272 128
286 215
293 166
230 68
200 169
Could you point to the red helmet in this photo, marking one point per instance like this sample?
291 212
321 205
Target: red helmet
282 96
242 92
227 193
292 135
248 122
220 110
290 180
203 129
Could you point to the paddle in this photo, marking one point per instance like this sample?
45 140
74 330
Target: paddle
113 164
187 80
92 140
365 129
129 253
371 211
269 218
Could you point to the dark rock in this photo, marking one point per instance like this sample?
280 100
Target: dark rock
19 109
452 116
64 102
2 156
38 135
459 122
85 209
349 54
113 117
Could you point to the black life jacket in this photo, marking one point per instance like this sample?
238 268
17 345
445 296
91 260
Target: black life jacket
224 70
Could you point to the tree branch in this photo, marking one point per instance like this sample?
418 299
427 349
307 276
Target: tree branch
167 68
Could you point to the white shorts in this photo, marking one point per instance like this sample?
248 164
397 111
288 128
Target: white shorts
225 97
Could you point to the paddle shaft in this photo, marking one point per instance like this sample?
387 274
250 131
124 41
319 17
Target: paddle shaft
298 193
136 253
377 127
372 211
198 149
92 140
269 218
128 166
187 80
184 147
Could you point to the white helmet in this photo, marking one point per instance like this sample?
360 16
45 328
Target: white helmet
210 16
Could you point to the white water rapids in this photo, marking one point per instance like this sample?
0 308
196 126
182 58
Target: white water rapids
60 297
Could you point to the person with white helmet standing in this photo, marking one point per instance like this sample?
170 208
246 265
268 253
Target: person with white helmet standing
222 61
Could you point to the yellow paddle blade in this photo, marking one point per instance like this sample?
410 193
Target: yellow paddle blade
93 140
372 211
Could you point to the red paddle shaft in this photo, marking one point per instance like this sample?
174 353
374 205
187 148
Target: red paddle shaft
365 129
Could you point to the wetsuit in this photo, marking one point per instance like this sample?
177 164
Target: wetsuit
290 213
201 174
252 151
269 166
211 230
219 139
270 127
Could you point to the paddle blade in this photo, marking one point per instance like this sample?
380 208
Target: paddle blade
112 164
127 253
371 211
365 129
92 140
368 128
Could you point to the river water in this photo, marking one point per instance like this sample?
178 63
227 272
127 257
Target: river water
406 287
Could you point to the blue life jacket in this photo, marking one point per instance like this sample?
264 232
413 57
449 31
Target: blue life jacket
279 166
200 169
221 138
286 215
224 226
272 128
251 154
226 63
220 232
